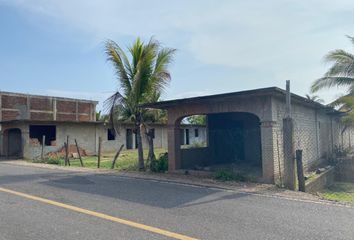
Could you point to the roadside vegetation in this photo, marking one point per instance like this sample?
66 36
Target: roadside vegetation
127 161
339 192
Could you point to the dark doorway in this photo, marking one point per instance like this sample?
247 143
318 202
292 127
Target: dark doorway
187 136
235 138
129 138
14 143
38 131
111 134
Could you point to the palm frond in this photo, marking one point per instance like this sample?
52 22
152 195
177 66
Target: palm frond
327 82
121 63
350 38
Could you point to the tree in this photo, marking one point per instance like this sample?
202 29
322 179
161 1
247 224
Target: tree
345 104
197 119
102 117
314 98
341 73
141 76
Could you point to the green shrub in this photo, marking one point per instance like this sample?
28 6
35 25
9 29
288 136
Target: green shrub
53 161
160 164
340 151
228 175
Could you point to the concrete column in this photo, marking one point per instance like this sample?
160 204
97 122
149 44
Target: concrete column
174 148
269 154
289 155
28 107
0 108
54 109
77 111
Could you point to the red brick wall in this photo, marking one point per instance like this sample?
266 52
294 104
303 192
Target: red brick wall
84 118
12 101
41 108
84 108
66 106
44 104
41 116
66 117
9 115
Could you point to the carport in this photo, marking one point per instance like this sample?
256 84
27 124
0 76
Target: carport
240 129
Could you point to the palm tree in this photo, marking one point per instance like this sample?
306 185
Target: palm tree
314 98
341 73
141 76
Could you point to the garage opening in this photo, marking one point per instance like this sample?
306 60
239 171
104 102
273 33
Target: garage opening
233 141
38 131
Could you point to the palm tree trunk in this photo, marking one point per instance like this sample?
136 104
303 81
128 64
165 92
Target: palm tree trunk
151 154
140 149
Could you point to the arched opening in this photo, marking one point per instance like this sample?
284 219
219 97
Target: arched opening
233 141
12 142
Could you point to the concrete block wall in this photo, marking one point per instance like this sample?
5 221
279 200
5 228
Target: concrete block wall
315 132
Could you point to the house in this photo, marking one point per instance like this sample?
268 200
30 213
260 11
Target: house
25 119
247 128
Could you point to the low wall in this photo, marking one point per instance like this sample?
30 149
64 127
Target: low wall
192 157
345 170
320 181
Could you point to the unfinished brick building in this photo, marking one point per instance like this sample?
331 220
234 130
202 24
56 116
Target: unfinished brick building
26 118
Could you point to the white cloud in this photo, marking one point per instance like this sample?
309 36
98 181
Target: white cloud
286 37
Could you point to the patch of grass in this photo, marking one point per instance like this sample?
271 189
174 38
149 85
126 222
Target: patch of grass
228 175
127 160
340 192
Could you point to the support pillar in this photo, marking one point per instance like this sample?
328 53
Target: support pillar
174 148
269 155
289 156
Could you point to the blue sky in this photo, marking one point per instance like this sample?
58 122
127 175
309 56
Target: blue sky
56 47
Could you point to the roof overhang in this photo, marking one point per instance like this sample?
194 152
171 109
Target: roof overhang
271 91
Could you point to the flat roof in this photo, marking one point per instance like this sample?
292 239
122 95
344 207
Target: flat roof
48 121
270 91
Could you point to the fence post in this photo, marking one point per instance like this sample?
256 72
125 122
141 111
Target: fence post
99 152
116 156
300 171
43 143
67 150
78 152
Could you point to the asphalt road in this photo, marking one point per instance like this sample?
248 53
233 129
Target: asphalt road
196 212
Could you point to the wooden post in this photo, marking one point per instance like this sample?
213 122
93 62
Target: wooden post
116 156
78 152
66 154
300 170
99 152
67 149
43 143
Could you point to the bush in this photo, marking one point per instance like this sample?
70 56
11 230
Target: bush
55 161
340 151
160 164
228 175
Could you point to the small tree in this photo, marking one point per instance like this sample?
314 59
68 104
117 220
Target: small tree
141 76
